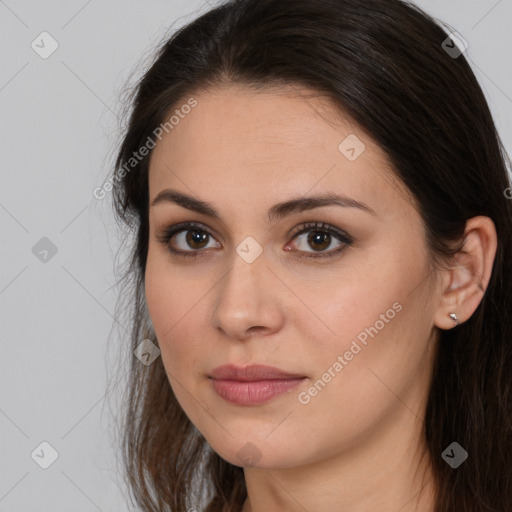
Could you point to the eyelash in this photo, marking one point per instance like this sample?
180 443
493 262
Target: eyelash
169 232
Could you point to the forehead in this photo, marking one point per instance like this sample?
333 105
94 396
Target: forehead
283 141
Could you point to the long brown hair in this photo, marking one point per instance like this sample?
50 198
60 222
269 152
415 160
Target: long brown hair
385 64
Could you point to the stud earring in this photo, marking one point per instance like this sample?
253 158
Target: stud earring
455 318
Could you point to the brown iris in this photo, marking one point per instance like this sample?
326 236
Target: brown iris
316 237
196 237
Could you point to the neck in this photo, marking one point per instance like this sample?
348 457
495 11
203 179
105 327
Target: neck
388 471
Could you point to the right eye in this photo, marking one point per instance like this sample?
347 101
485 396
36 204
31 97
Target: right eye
188 234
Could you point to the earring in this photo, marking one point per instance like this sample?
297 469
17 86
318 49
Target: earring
455 318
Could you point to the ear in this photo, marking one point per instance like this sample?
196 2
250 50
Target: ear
463 286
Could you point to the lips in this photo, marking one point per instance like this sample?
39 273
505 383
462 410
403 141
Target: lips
252 385
251 373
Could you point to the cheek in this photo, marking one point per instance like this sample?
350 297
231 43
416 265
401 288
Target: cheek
379 351
344 307
173 304
375 318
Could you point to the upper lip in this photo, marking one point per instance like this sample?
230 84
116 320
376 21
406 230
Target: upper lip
251 373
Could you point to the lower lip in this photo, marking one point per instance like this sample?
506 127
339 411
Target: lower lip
253 392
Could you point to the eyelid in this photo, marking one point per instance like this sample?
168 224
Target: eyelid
170 231
320 226
184 226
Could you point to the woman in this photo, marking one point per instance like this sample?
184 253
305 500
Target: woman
322 241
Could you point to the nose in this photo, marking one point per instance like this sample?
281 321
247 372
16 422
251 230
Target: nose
248 300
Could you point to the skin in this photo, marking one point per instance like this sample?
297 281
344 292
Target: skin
357 445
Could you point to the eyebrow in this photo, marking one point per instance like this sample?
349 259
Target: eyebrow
276 212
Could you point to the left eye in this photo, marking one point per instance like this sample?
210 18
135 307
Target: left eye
322 240
196 236
320 237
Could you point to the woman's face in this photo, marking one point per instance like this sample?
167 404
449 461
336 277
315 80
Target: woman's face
335 294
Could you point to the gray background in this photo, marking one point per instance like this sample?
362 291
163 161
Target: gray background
59 128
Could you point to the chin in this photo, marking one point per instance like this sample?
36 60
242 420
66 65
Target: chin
266 454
